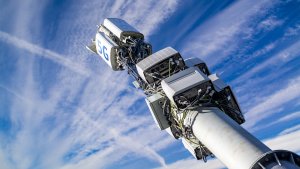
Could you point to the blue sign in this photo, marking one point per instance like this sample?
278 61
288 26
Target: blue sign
102 50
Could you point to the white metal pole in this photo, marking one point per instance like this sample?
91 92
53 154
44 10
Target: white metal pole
226 139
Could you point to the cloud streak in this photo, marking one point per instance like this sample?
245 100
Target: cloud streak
95 118
284 119
273 102
221 35
141 13
287 141
42 52
280 58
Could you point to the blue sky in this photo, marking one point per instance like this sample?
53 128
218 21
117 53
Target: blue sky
62 107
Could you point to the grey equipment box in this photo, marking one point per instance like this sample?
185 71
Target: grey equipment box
158 62
218 83
121 29
111 47
183 81
225 90
197 62
155 104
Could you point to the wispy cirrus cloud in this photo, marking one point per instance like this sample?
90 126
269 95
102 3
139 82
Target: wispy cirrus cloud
3 160
273 102
290 130
142 14
292 31
222 34
287 141
284 119
99 129
270 23
195 164
38 51
280 58
96 116
248 84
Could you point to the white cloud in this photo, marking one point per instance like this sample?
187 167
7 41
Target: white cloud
270 23
251 85
290 130
85 128
3 160
221 35
294 115
97 160
292 31
192 163
146 15
283 56
138 147
273 102
42 52
288 141
79 115
284 119
264 50
14 93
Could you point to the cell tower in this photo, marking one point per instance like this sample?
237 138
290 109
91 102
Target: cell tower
186 100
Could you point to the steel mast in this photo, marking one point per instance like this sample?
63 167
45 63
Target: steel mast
186 100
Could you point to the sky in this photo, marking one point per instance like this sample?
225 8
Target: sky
62 107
